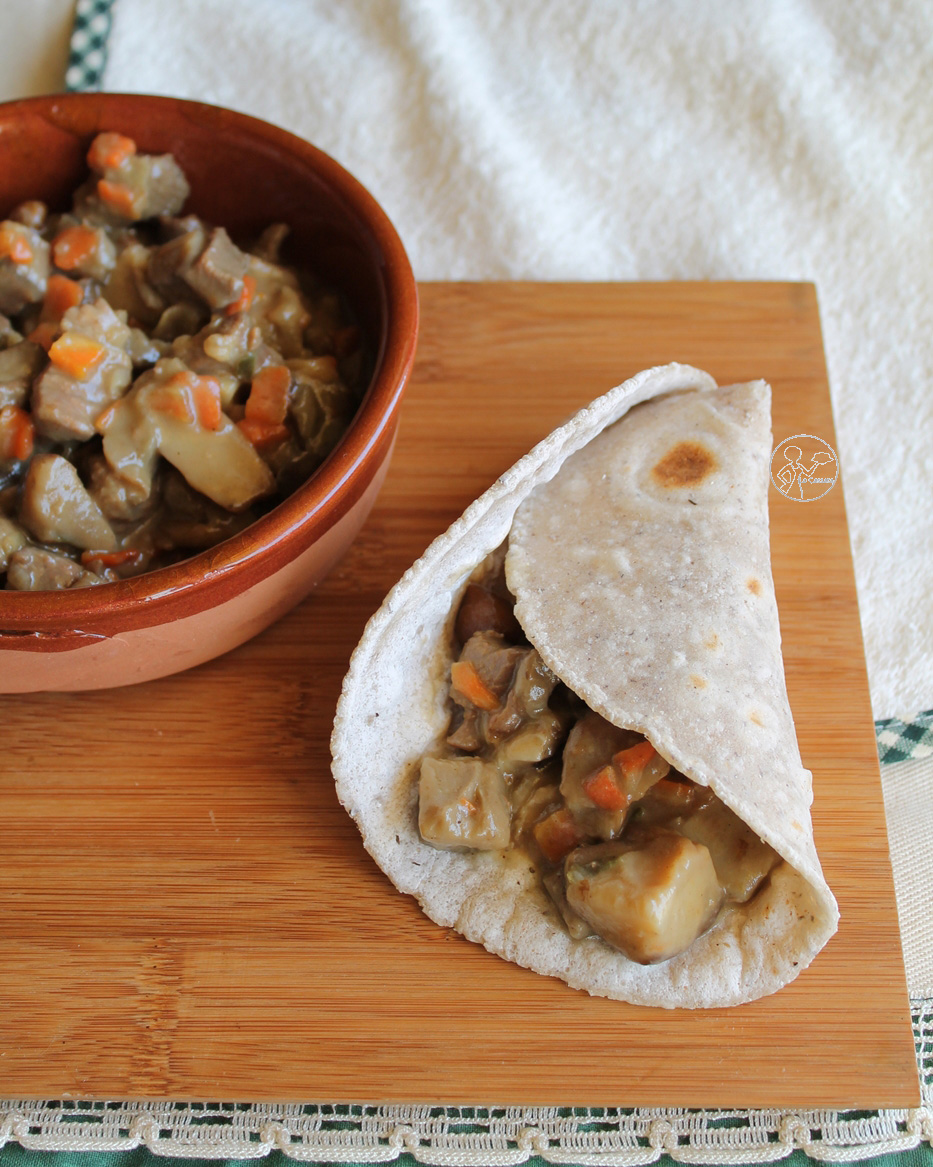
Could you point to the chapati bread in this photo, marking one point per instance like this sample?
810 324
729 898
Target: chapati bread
639 559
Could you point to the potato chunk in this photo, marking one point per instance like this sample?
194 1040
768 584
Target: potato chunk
650 901
741 859
463 804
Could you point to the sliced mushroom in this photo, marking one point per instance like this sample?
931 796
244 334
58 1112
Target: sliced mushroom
56 507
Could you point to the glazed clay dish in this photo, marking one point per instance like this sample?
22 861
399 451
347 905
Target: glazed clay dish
244 175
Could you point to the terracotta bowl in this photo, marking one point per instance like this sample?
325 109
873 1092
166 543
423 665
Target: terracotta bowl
244 174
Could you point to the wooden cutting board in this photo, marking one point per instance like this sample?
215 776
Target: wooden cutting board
189 914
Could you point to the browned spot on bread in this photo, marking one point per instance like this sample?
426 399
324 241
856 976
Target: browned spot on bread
685 464
754 586
713 642
756 718
699 682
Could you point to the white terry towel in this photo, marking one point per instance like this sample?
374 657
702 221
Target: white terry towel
567 139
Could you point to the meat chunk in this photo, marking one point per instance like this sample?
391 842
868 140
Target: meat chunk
56 507
481 610
24 266
63 411
527 696
168 262
163 185
81 250
119 498
217 274
32 213
592 743
144 186
494 661
33 569
499 688
19 364
66 406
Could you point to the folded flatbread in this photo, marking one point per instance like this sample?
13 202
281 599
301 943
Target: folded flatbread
638 556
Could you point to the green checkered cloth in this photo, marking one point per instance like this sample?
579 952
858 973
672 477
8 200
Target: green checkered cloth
89 38
899 741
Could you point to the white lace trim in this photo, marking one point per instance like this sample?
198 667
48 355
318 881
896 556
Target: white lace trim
493 1137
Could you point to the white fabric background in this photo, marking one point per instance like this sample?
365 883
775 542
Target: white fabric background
34 36
562 139
909 810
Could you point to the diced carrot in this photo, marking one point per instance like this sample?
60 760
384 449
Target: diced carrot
207 405
14 245
119 197
467 681
111 558
77 355
245 298
175 397
61 293
558 834
185 379
72 246
104 420
601 789
44 333
109 151
634 758
176 403
17 433
262 434
268 395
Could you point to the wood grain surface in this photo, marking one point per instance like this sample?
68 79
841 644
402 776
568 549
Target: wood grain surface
189 914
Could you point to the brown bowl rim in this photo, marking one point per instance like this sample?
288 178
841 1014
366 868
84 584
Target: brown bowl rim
278 536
